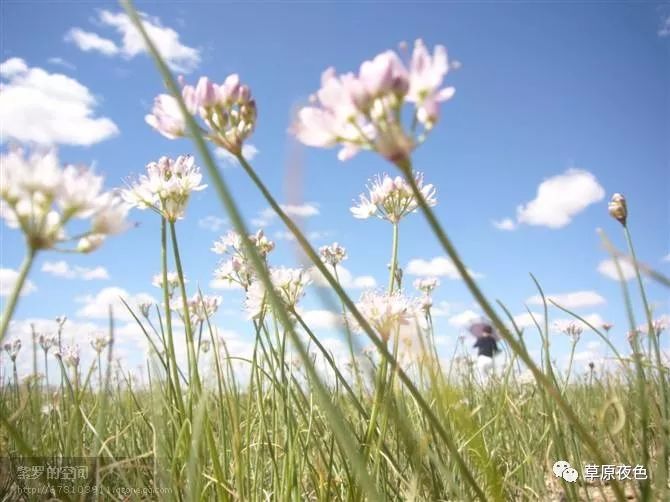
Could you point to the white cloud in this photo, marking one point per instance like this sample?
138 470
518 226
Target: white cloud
525 320
464 318
178 56
322 319
574 300
249 151
63 269
505 224
559 199
666 258
8 278
439 266
13 66
306 210
212 223
347 280
61 62
48 108
664 30
88 41
97 306
594 319
608 269
221 284
285 235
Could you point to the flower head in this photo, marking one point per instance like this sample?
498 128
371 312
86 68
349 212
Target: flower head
387 312
40 198
172 281
572 329
228 111
333 254
364 111
99 341
46 341
392 198
237 268
203 307
426 285
618 209
166 186
13 348
289 284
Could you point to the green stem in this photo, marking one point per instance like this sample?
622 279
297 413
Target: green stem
394 258
193 365
14 297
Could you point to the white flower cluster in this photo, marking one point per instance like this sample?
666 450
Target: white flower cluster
392 198
40 197
13 348
289 283
203 307
99 341
172 282
166 186
426 286
387 312
237 269
333 254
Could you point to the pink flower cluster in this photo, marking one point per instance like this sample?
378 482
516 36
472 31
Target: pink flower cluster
364 111
228 111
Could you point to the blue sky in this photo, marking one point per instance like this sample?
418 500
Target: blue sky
542 89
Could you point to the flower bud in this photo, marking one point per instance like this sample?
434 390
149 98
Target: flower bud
618 209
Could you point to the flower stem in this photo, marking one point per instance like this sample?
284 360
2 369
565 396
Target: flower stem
394 258
18 286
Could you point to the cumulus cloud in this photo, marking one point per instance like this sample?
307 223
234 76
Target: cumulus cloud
525 320
8 278
48 108
178 56
306 210
63 269
608 269
347 279
464 318
97 306
559 199
285 235
440 266
573 300
88 41
322 319
249 151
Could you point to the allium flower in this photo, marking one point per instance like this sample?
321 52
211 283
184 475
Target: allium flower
661 324
145 308
386 313
13 348
41 198
47 341
392 198
228 111
166 186
364 111
172 281
289 283
69 355
618 209
426 285
333 254
607 326
237 268
203 307
572 329
100 341
205 345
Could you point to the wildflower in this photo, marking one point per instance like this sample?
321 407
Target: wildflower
69 355
237 268
145 309
607 326
13 349
41 198
228 111
172 281
205 346
364 111
166 186
572 329
633 335
333 254
100 341
426 285
618 209
392 198
203 307
660 324
46 342
289 284
387 312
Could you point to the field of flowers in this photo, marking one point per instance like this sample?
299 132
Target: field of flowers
392 422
